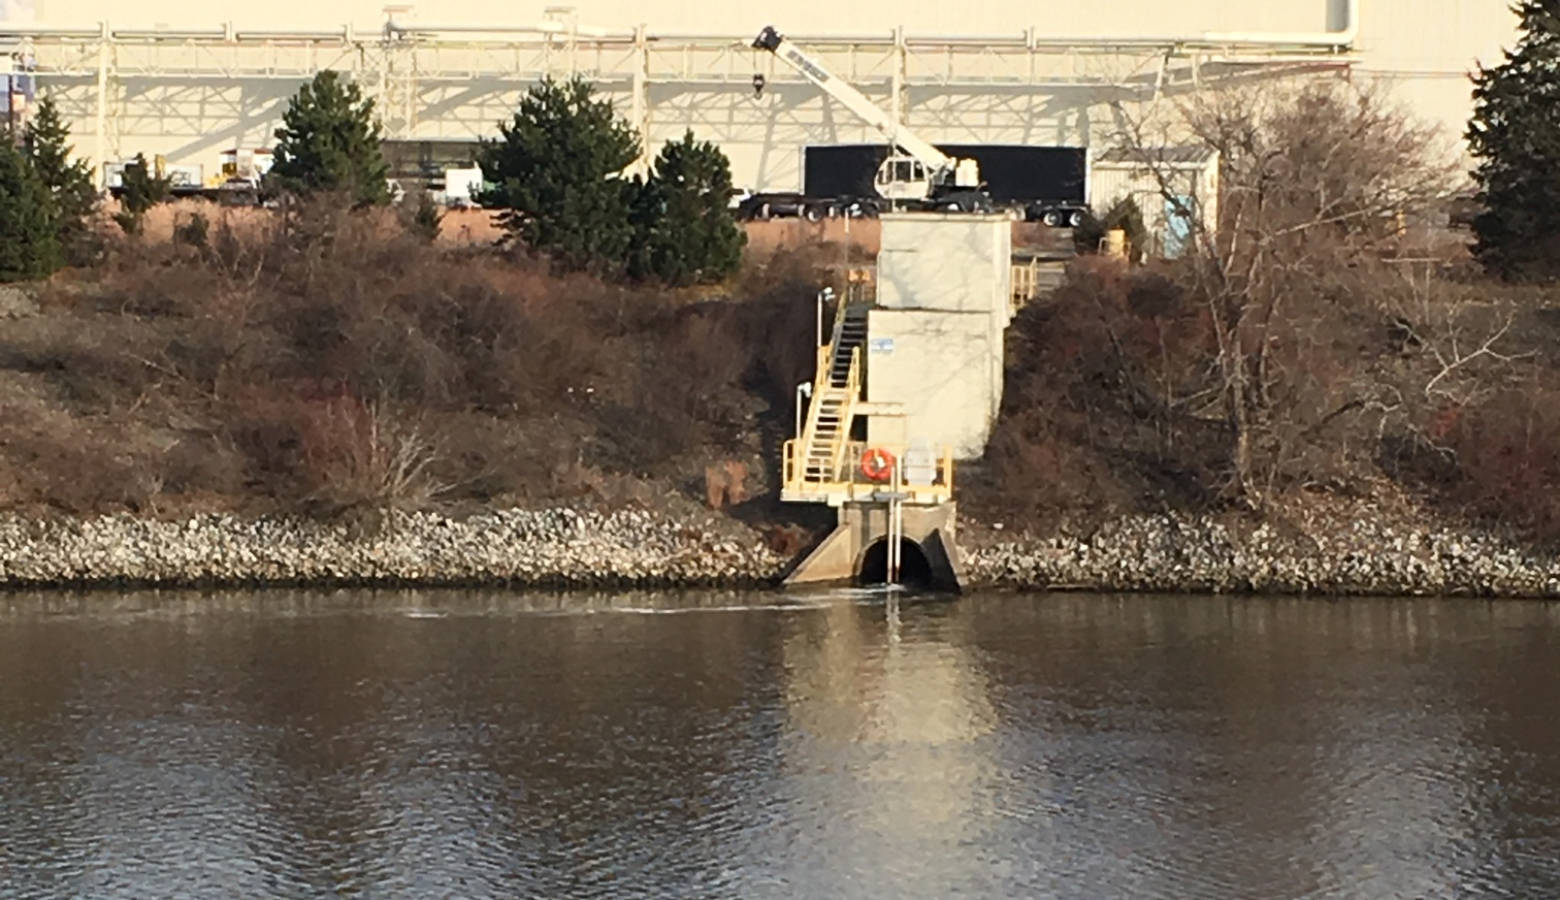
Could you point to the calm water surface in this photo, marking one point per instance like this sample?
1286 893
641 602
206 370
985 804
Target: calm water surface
748 745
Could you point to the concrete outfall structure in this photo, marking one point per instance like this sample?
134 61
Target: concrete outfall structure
925 392
848 552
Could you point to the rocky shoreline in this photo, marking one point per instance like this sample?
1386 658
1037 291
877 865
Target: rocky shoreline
635 548
540 548
1335 555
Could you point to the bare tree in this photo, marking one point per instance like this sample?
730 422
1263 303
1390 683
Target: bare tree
1315 181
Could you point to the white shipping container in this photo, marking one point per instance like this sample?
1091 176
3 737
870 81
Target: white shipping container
461 186
184 176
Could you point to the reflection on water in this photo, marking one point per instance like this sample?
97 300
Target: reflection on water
759 745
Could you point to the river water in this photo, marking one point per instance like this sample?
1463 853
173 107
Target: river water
754 745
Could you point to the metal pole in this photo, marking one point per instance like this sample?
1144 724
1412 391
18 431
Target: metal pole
818 325
896 84
896 525
101 134
641 99
899 525
803 392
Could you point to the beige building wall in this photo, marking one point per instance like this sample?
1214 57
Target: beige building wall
181 100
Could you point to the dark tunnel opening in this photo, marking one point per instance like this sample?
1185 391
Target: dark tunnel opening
915 570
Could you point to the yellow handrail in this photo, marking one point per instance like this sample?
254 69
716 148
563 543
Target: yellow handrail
930 480
852 391
823 383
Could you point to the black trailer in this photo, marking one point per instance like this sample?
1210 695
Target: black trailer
1046 184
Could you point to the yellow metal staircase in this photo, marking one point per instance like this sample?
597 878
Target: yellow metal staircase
836 390
823 464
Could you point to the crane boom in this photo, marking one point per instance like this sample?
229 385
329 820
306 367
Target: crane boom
815 72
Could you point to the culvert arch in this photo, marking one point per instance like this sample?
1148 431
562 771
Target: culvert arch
915 567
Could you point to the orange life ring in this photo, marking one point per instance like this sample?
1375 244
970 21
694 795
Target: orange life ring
877 464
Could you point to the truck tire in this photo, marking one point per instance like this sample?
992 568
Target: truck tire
1051 218
1075 220
813 212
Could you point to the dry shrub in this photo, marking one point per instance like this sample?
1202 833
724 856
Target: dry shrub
778 318
203 471
336 452
1507 456
360 454
491 380
1101 409
56 460
100 364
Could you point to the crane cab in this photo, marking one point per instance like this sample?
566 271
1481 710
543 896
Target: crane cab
903 178
907 182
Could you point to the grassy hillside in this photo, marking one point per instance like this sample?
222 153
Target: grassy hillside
334 362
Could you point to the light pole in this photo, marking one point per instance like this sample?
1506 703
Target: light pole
803 391
823 296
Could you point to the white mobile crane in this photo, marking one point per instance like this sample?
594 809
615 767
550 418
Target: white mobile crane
916 175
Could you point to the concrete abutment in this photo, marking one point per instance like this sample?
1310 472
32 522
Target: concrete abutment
856 549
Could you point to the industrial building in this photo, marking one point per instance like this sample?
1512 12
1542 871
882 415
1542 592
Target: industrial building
177 79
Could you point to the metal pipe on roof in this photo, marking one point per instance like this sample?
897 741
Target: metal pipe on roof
983 40
544 27
163 32
18 29
433 28
747 40
338 34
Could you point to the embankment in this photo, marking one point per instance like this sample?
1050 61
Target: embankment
565 548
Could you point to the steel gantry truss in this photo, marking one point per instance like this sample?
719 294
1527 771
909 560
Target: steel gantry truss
457 81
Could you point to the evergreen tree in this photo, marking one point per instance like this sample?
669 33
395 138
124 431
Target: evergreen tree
69 181
140 189
329 142
684 229
1515 134
556 171
1124 214
29 243
424 217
